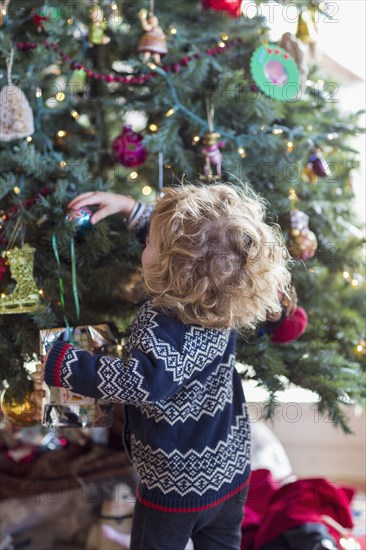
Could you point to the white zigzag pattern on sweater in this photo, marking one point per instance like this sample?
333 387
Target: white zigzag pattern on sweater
66 367
196 398
194 471
200 347
119 382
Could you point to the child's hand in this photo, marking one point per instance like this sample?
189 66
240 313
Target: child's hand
109 203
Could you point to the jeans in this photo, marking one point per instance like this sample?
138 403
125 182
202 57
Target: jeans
218 528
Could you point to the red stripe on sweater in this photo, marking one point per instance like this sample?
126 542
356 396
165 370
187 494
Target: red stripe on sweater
197 509
60 358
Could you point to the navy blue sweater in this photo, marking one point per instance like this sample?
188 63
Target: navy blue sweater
187 428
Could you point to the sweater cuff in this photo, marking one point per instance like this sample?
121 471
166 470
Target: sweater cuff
52 371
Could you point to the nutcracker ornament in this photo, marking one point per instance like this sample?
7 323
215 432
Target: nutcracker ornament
128 148
213 156
302 243
212 147
153 42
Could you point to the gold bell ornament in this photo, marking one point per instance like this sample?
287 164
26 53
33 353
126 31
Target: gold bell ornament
16 115
306 30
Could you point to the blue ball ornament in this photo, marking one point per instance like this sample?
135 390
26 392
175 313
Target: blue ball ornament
81 219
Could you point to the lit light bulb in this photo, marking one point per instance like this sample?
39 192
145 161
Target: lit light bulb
38 92
70 21
196 139
224 37
41 291
355 283
146 190
221 44
290 146
60 96
242 152
74 114
153 128
29 139
346 274
173 30
62 164
16 190
62 133
133 175
277 131
169 113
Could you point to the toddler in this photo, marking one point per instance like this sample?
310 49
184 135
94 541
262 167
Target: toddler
211 266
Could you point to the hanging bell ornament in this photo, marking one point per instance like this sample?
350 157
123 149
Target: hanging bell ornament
213 156
25 297
302 243
306 30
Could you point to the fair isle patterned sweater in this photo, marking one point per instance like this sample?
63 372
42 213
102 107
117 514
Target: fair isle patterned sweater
187 427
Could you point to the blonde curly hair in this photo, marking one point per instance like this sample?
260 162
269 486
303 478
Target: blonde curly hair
218 264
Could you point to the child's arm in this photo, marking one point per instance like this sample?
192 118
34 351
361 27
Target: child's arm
136 214
149 373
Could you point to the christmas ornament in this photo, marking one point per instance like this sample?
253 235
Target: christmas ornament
211 146
16 119
275 72
97 26
306 30
296 49
25 297
20 413
128 148
153 41
81 219
132 289
308 175
302 243
318 164
232 7
63 408
291 328
212 153
38 21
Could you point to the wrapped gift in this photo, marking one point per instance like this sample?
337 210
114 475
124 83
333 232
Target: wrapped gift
63 408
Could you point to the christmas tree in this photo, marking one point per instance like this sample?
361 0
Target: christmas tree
83 83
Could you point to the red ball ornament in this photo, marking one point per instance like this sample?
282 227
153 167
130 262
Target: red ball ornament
291 328
232 7
128 148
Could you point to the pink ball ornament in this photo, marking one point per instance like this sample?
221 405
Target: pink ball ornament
128 148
